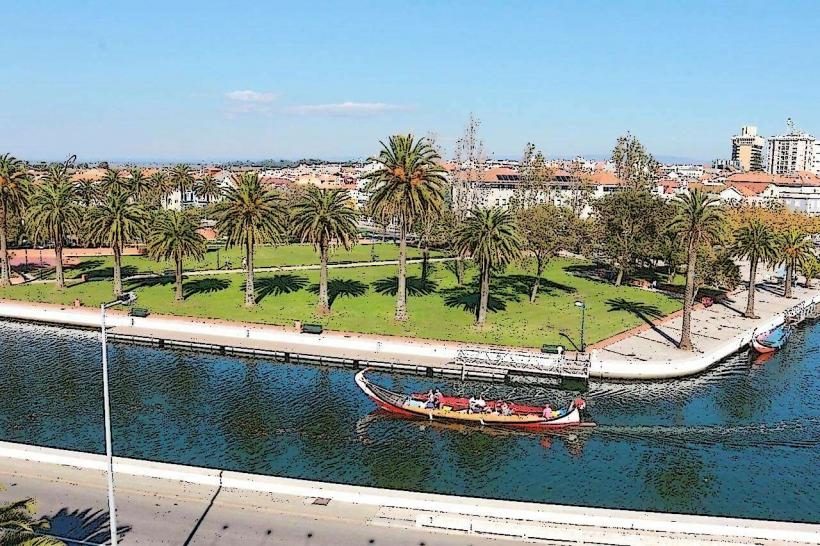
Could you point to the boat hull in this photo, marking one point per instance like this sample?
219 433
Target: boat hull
772 340
409 407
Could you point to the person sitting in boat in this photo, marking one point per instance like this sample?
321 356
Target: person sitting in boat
438 399
476 405
547 412
481 404
505 409
431 400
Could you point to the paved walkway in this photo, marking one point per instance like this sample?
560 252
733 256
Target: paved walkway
208 272
171 504
717 331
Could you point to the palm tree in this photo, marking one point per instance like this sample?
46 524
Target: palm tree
407 185
208 188
115 182
698 221
182 177
13 195
810 269
248 215
52 214
321 216
795 248
174 236
87 191
489 236
754 241
116 222
140 185
18 526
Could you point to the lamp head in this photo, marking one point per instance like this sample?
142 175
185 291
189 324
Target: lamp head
580 304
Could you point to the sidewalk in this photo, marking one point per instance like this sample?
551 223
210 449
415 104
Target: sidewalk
166 500
650 351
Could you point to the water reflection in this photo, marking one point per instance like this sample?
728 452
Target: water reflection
707 444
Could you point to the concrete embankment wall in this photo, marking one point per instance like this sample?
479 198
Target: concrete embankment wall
87 318
529 513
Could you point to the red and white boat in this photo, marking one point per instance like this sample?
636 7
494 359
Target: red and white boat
454 409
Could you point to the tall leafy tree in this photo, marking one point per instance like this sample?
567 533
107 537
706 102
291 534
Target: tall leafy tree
321 217
161 185
408 184
13 195
794 247
490 237
20 527
250 214
634 165
174 236
541 230
116 222
87 191
629 223
810 267
535 178
756 242
699 220
53 213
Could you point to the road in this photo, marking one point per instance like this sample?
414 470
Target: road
154 512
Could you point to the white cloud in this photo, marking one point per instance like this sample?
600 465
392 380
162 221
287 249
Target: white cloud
346 109
251 96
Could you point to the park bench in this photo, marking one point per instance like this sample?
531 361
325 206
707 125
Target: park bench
138 312
311 328
552 349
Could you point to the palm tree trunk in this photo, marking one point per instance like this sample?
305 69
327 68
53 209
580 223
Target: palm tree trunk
5 279
324 303
485 294
117 270
178 275
401 293
539 269
425 262
620 278
58 255
250 299
688 299
787 285
750 301
459 271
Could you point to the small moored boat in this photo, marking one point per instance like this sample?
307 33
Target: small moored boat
456 410
772 340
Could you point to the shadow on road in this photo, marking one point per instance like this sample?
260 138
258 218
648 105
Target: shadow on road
204 514
80 528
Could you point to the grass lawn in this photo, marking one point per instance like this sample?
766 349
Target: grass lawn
265 256
363 301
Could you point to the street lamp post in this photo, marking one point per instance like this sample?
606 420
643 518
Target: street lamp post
112 507
583 308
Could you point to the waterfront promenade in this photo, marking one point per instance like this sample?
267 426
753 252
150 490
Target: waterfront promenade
646 352
172 504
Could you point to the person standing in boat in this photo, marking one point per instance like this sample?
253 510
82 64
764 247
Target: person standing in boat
438 399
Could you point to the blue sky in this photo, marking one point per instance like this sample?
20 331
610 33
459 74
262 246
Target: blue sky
212 80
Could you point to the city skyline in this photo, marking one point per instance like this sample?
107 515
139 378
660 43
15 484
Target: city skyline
202 82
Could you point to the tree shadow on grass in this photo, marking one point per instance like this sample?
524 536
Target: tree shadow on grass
108 272
594 272
276 285
341 288
415 286
76 528
469 299
203 286
522 284
147 282
644 311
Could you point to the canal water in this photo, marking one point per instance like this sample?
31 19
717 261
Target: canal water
741 440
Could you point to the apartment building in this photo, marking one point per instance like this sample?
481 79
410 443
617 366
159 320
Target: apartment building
748 148
791 153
